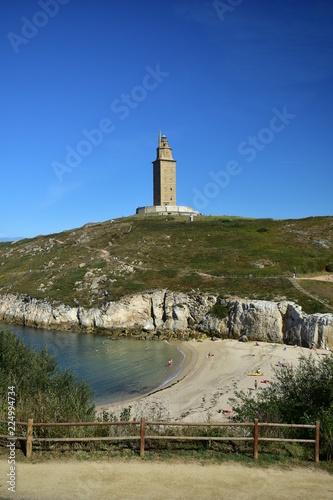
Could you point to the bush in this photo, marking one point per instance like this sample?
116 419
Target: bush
329 268
100 265
43 391
219 310
299 395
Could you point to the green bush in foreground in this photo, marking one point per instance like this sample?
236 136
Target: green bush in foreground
299 395
43 391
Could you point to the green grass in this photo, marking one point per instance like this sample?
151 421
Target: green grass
211 254
181 452
100 265
321 289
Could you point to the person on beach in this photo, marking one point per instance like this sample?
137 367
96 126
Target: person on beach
170 362
255 385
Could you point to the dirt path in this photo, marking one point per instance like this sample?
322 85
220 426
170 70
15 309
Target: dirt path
297 285
325 277
134 479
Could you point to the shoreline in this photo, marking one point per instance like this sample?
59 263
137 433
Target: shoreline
203 388
190 359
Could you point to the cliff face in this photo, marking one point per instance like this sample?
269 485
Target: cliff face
164 311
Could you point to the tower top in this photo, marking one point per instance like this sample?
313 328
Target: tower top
163 151
162 140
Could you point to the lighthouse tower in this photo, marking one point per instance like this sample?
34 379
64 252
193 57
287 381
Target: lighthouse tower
164 174
164 184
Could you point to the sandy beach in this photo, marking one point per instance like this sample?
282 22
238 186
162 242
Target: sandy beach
203 388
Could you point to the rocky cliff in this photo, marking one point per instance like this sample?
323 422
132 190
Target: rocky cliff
165 312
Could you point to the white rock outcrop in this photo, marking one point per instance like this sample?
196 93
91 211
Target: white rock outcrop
161 311
258 318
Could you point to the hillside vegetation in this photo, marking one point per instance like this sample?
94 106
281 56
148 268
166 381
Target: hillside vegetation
228 256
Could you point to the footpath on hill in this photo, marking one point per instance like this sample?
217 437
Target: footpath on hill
296 284
136 479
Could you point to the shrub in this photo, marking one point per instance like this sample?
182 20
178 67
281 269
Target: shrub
329 268
100 265
125 415
43 391
219 310
299 395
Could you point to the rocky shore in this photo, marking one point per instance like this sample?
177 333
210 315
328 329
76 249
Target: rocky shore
165 313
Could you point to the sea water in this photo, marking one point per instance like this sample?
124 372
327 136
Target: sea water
117 370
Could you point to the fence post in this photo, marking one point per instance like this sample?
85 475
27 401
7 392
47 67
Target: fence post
29 438
317 442
255 445
142 438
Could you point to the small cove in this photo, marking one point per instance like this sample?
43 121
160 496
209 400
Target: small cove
117 370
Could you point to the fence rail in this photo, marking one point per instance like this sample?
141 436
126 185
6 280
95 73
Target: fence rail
143 436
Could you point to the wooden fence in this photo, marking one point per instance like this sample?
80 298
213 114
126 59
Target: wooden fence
142 434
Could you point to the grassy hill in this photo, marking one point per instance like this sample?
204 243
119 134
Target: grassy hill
103 261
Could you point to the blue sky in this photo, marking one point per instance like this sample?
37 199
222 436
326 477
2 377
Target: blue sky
241 88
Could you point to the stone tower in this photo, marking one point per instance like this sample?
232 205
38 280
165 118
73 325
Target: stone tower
164 173
164 178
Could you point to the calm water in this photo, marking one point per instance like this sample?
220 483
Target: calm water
117 370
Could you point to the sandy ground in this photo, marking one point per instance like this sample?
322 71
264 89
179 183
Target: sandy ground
132 480
202 391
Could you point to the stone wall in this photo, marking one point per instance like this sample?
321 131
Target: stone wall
166 210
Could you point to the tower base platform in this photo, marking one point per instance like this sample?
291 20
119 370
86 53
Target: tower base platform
166 210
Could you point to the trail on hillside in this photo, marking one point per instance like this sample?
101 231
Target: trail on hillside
295 283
